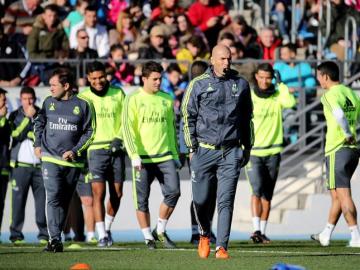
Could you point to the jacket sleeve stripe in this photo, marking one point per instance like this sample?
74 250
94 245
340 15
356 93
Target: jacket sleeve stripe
127 134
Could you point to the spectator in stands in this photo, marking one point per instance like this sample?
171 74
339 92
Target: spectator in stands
265 46
226 39
173 84
281 15
98 35
123 72
63 9
21 15
81 52
246 69
11 74
339 13
297 76
195 50
76 16
158 47
241 30
115 7
165 8
47 37
210 16
125 33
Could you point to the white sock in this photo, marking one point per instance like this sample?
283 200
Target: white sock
89 236
108 221
147 233
355 235
263 224
329 228
256 223
194 229
161 225
100 228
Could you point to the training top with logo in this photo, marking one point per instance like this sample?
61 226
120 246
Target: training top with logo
267 119
108 109
345 99
149 127
64 125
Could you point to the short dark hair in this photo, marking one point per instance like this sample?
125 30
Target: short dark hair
227 35
92 8
197 42
198 67
173 67
266 67
3 91
52 7
292 47
65 76
95 66
150 67
27 90
116 47
331 69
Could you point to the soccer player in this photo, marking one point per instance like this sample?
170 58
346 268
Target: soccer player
5 133
342 111
106 157
151 143
262 170
63 131
26 169
217 111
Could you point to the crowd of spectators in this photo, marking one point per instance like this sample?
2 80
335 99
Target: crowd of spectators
65 33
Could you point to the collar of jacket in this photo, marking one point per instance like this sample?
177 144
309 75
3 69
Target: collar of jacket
264 94
100 93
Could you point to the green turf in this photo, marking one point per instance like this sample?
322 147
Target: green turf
135 256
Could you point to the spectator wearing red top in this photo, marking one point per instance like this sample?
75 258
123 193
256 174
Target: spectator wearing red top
265 46
165 8
210 16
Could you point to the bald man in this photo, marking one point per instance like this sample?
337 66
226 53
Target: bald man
217 112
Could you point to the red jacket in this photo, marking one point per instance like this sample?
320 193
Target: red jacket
268 53
199 14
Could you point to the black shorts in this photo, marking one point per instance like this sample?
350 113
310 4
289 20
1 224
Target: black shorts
104 166
340 166
262 173
83 187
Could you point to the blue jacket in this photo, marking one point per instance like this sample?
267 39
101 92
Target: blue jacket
218 111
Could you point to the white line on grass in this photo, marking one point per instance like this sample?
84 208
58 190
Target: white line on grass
316 253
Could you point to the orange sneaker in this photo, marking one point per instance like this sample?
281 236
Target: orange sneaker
222 253
204 247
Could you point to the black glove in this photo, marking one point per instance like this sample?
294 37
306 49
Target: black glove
246 157
116 146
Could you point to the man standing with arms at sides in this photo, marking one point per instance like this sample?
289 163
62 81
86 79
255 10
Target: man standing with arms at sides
106 158
151 143
217 111
5 133
262 170
341 110
26 169
63 131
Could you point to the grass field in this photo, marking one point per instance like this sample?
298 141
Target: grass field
135 256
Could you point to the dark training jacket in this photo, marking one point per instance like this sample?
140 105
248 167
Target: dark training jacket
218 111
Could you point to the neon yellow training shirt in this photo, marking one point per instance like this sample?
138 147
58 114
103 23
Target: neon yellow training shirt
149 127
268 124
339 97
108 109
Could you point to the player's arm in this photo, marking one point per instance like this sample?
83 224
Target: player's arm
19 132
88 127
172 132
287 100
189 113
333 106
39 126
128 129
118 142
